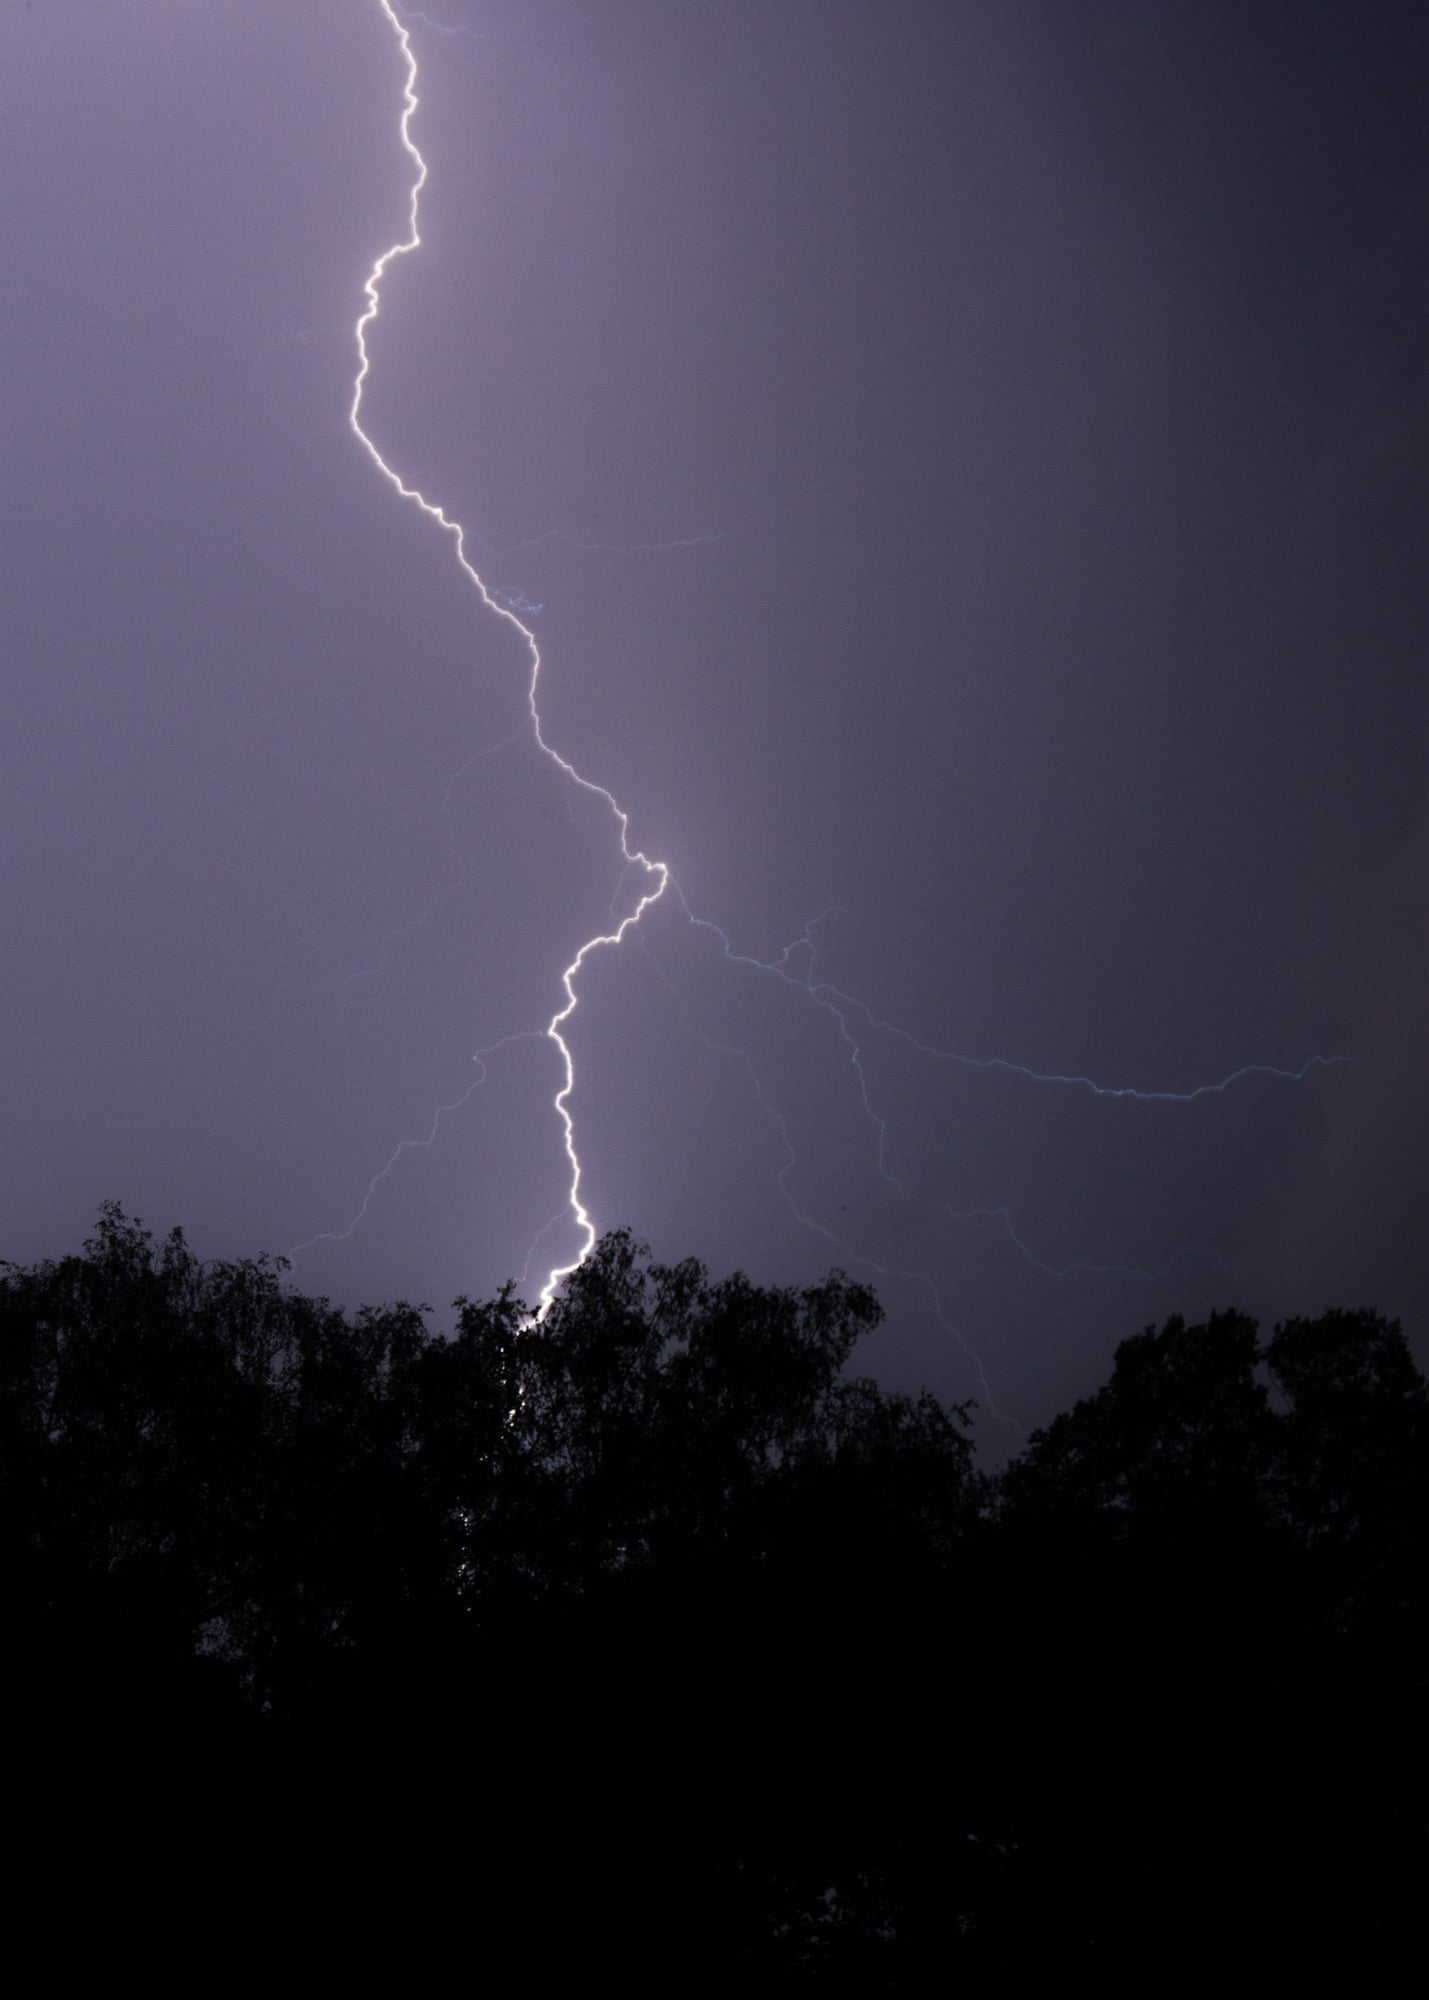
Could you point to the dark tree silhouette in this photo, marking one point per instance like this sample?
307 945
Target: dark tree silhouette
1224 1549
650 1643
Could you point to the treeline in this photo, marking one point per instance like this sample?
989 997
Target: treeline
650 1647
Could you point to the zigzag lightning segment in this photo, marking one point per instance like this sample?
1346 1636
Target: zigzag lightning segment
656 872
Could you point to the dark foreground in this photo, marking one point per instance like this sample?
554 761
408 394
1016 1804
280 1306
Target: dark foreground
650 1647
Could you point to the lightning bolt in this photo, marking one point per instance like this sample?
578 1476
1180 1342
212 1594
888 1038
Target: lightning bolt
655 873
795 966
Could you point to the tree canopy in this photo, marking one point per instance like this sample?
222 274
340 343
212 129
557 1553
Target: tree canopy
649 1638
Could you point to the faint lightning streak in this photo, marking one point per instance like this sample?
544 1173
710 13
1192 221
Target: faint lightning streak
437 27
838 999
841 1243
517 600
600 548
405 1146
445 889
833 1001
1075 1270
292 336
655 871
537 1240
791 1160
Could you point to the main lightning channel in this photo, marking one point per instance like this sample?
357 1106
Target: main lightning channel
656 873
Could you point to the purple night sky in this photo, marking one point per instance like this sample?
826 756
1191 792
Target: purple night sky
969 459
